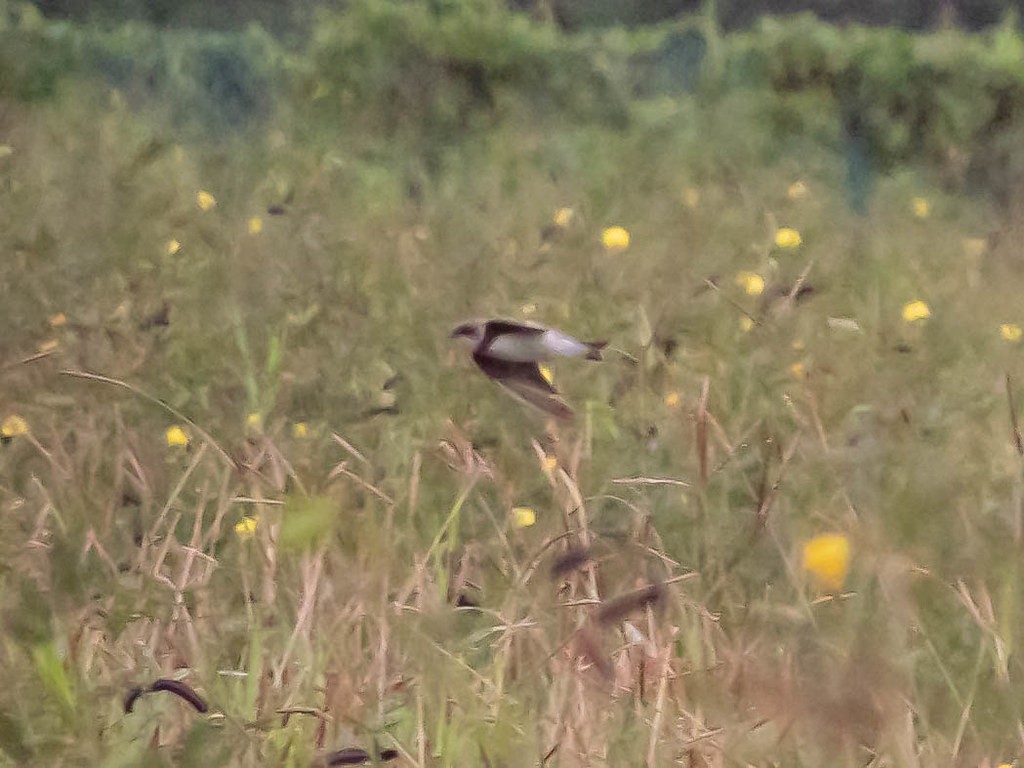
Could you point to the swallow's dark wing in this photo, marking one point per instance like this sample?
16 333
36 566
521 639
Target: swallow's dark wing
525 382
494 328
507 370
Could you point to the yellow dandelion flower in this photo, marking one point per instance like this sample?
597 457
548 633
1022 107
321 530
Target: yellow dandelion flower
176 437
691 197
751 282
563 217
300 430
974 247
799 370
921 207
550 464
13 426
172 247
827 558
787 237
48 346
1010 331
246 527
797 191
58 320
746 324
205 200
672 399
615 238
255 225
916 310
546 373
524 517
254 422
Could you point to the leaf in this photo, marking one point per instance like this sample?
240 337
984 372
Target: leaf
54 679
307 521
274 355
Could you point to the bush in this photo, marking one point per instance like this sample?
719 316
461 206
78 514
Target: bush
433 72
442 67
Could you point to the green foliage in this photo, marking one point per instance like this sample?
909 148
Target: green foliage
912 97
199 80
382 589
54 680
308 522
34 55
433 72
446 67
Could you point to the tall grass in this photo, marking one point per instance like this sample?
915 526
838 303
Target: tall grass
334 559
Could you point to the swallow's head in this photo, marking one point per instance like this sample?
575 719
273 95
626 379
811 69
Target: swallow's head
473 332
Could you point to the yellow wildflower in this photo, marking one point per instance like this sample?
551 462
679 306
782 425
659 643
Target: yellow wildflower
1010 331
615 238
916 310
6 150
797 191
58 320
787 237
546 373
176 437
246 527
300 430
255 225
550 464
205 200
48 346
691 197
751 282
799 370
746 323
13 426
921 207
528 309
254 422
172 247
672 399
563 217
797 344
524 517
827 558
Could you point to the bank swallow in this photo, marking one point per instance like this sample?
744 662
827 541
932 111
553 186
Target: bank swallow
509 353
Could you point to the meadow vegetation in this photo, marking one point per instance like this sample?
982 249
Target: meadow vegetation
240 451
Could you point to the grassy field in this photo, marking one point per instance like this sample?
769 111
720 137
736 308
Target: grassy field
241 451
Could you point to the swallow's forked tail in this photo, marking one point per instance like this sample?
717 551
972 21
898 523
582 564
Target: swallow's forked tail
595 349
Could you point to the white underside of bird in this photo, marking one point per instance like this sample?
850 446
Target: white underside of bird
543 346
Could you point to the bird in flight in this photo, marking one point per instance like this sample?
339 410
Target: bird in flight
509 353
